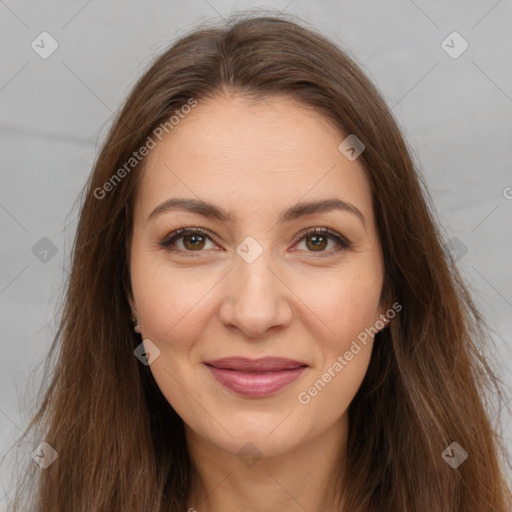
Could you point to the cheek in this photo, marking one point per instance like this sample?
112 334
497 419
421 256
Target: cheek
327 394
173 307
345 302
348 304
168 302
347 307
163 293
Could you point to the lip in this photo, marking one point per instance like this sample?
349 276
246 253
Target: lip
255 377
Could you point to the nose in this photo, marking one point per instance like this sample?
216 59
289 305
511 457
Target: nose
256 298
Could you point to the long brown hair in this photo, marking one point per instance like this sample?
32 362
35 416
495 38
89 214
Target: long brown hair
121 446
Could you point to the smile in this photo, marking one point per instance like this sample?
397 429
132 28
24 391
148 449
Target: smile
256 377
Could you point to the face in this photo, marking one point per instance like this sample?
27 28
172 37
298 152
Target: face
258 274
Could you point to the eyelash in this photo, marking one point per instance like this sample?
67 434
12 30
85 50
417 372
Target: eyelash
343 243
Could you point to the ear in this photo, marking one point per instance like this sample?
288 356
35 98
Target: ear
386 307
133 308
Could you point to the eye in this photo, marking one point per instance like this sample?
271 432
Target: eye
195 240
192 240
317 240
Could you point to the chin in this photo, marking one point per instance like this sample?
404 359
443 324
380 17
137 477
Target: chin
256 439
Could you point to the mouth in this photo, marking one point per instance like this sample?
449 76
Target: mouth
255 377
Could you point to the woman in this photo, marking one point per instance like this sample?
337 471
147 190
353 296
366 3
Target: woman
300 339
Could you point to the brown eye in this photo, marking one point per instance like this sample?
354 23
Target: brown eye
317 240
192 240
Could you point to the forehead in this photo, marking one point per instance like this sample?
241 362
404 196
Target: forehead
254 156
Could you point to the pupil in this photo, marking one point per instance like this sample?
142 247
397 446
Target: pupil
318 244
196 239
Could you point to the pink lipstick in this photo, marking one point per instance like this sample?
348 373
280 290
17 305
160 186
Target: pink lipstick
255 377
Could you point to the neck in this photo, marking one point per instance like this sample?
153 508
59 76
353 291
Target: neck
305 478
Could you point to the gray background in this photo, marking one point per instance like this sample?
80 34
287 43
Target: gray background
456 115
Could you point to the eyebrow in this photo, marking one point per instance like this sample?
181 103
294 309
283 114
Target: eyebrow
297 211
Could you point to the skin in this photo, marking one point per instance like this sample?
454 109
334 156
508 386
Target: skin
255 159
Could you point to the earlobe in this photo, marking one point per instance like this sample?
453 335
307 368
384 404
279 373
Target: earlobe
385 321
384 317
136 325
382 322
135 321
131 302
